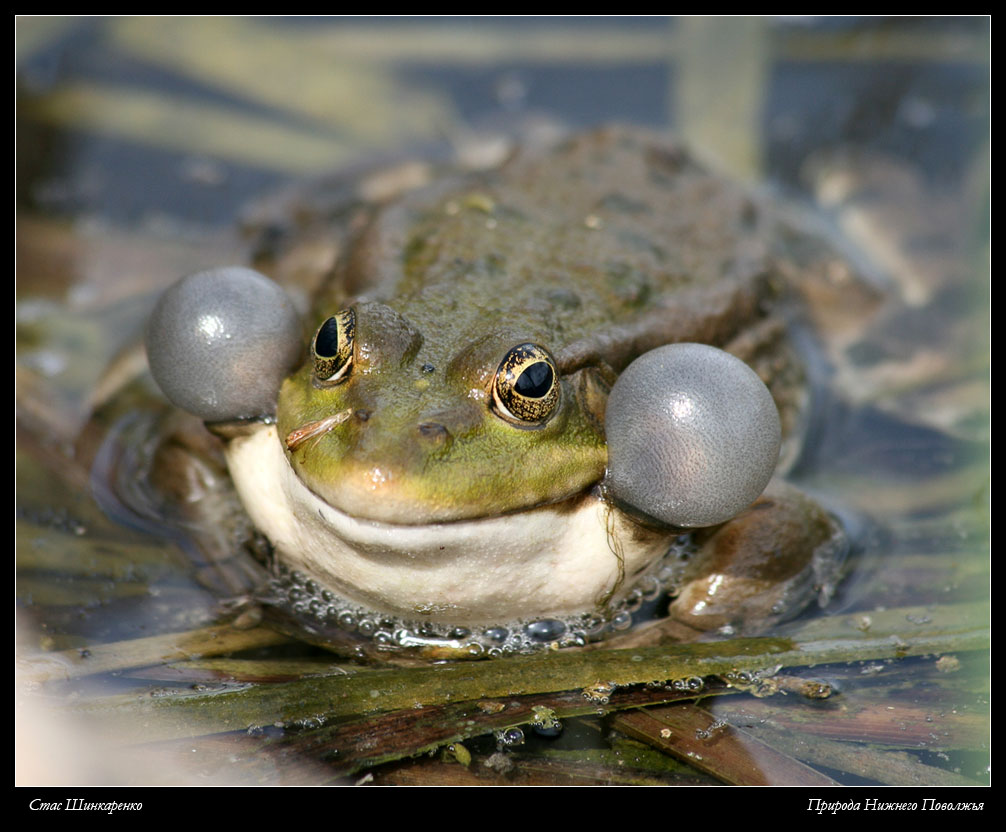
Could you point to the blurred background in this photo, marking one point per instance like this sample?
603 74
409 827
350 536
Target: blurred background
140 140
137 118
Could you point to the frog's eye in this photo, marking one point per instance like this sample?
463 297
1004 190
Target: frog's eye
332 347
526 387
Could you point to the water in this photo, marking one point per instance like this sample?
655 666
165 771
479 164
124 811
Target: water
139 145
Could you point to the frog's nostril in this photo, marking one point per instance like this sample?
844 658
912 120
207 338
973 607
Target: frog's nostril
362 414
434 432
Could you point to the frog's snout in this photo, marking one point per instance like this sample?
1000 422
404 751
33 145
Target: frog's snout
693 435
430 434
220 342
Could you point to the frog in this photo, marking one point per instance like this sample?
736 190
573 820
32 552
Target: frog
527 402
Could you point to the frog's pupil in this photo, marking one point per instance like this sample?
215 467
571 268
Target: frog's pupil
535 381
327 343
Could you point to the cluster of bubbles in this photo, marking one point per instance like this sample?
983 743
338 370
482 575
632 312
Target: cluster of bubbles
689 684
545 722
320 609
707 733
599 693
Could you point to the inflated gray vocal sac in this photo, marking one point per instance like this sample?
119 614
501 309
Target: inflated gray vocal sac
220 343
693 435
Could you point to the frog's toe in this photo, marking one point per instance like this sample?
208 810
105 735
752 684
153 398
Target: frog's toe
220 342
693 435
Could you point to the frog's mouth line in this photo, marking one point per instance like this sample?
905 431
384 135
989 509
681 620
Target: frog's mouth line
550 561
419 484
313 431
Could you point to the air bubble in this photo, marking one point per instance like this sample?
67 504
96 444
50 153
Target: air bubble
497 634
509 737
665 573
633 601
649 588
621 621
547 629
367 627
347 621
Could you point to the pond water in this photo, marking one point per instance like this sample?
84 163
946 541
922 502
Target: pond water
141 144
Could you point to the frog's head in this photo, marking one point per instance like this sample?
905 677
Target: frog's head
394 422
390 420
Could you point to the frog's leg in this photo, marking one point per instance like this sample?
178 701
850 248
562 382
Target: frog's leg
763 566
190 485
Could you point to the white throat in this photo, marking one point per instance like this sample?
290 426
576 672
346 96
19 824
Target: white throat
547 562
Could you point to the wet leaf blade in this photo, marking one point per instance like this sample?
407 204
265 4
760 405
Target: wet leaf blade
397 734
889 723
140 652
395 689
891 768
729 754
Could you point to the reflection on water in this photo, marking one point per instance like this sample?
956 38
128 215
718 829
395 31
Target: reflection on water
141 140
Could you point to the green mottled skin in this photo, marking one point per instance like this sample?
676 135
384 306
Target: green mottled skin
611 245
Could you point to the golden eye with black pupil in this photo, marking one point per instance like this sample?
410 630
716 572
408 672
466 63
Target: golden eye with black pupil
332 347
526 387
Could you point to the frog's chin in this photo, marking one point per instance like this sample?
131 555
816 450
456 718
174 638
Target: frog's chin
552 561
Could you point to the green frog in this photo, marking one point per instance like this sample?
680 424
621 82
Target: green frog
529 402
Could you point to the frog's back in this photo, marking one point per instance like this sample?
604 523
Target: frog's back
610 244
